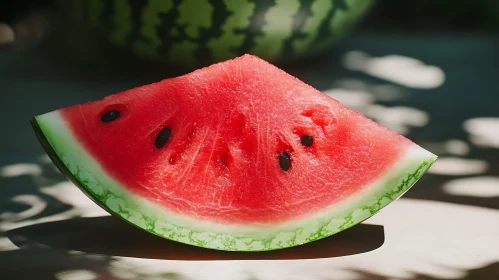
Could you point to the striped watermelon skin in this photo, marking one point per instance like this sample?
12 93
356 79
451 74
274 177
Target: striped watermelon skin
194 33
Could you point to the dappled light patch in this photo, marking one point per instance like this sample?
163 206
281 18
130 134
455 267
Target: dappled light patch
68 193
456 147
37 193
453 166
145 269
482 186
44 159
399 118
38 262
7 35
79 274
354 99
6 244
435 254
20 169
363 97
35 206
387 92
379 91
65 192
452 147
483 132
403 70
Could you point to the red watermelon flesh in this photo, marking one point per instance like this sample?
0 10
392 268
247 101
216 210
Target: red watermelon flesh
228 126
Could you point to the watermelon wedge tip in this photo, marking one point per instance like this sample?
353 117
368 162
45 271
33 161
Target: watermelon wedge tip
237 156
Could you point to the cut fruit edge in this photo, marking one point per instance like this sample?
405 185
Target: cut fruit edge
85 172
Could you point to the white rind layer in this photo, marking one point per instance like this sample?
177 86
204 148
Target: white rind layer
114 198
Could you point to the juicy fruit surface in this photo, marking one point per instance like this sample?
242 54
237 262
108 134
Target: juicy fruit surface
228 125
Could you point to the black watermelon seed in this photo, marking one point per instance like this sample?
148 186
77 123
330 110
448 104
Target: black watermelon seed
162 137
284 161
307 140
110 116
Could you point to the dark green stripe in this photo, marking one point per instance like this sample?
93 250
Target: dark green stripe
137 10
299 20
220 14
324 31
107 15
81 9
257 22
169 20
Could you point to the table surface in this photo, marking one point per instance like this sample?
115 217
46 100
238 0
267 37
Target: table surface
441 91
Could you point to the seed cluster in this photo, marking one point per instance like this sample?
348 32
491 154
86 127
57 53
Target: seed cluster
285 159
164 135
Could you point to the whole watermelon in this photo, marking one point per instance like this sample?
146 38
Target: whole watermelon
200 32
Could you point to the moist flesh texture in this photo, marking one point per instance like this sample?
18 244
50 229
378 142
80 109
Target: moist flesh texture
219 171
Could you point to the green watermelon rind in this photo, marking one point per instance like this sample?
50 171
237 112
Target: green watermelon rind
172 32
85 172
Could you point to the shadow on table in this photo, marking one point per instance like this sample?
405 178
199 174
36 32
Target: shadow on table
110 236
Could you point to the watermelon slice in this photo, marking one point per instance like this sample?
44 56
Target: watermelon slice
235 156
